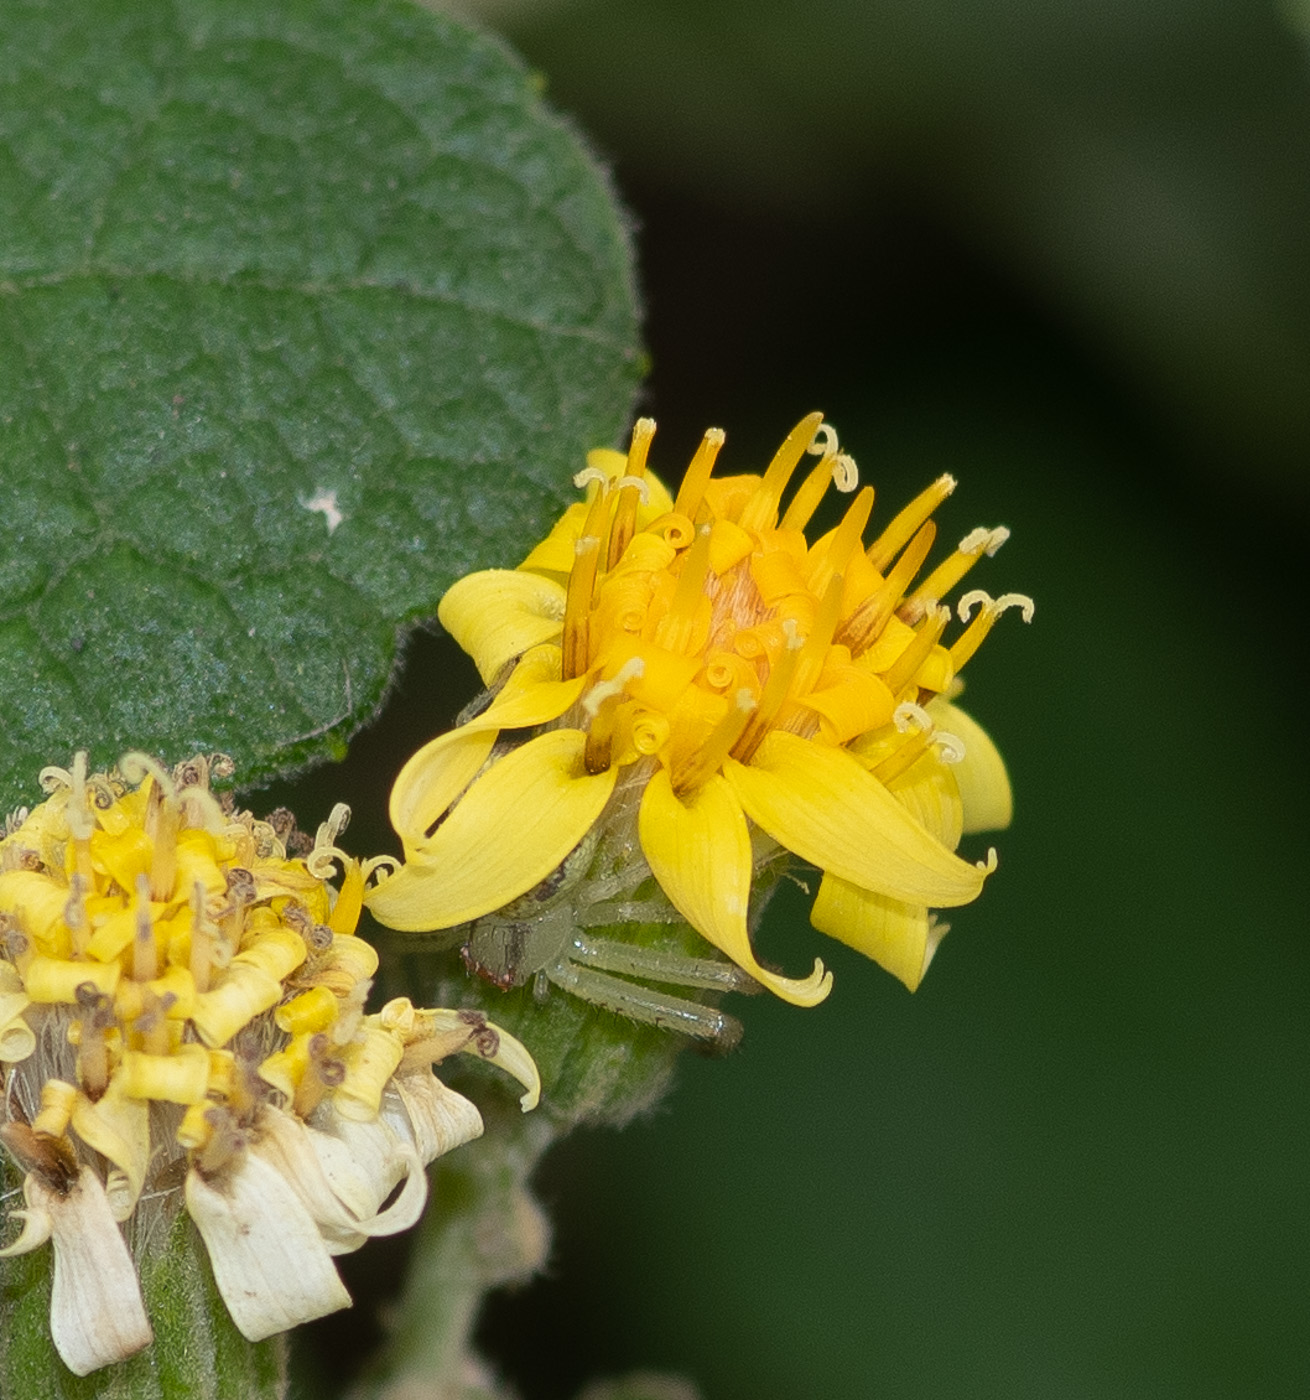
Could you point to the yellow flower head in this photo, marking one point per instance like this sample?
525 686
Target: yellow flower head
182 1021
744 689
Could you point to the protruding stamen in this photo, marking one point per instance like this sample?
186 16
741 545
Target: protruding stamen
92 1046
903 527
813 654
601 706
902 670
903 757
639 484
776 689
1027 608
145 958
692 770
697 476
807 498
761 510
136 767
676 629
631 489
80 821
844 540
162 820
968 642
865 624
202 939
950 571
582 583
75 912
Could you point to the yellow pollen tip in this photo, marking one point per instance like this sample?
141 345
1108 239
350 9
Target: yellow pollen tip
907 522
697 476
761 509
692 771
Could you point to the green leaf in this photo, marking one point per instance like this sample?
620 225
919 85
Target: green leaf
255 256
197 1354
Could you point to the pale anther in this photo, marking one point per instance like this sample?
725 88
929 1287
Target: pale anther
908 716
845 474
639 483
136 766
587 475
1016 600
975 541
950 746
976 597
824 441
606 690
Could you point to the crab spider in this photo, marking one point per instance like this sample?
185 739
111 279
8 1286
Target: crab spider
545 937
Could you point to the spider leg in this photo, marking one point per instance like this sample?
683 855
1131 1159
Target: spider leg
646 1004
656 910
660 965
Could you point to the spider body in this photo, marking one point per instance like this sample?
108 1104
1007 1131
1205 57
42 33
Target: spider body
546 937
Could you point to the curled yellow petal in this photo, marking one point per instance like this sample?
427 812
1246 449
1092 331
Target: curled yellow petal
244 992
371 1060
17 1039
899 937
507 833
699 850
499 614
980 775
118 1128
433 778
820 803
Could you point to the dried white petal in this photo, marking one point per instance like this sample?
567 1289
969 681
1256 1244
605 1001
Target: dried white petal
439 1118
271 1267
35 1232
96 1313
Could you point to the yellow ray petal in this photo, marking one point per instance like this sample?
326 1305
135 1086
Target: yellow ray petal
699 850
928 791
820 803
899 937
436 775
981 777
118 1128
508 832
498 614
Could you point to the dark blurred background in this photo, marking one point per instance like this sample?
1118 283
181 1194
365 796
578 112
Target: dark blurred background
1059 250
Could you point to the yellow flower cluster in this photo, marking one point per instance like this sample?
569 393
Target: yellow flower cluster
744 688
182 1001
